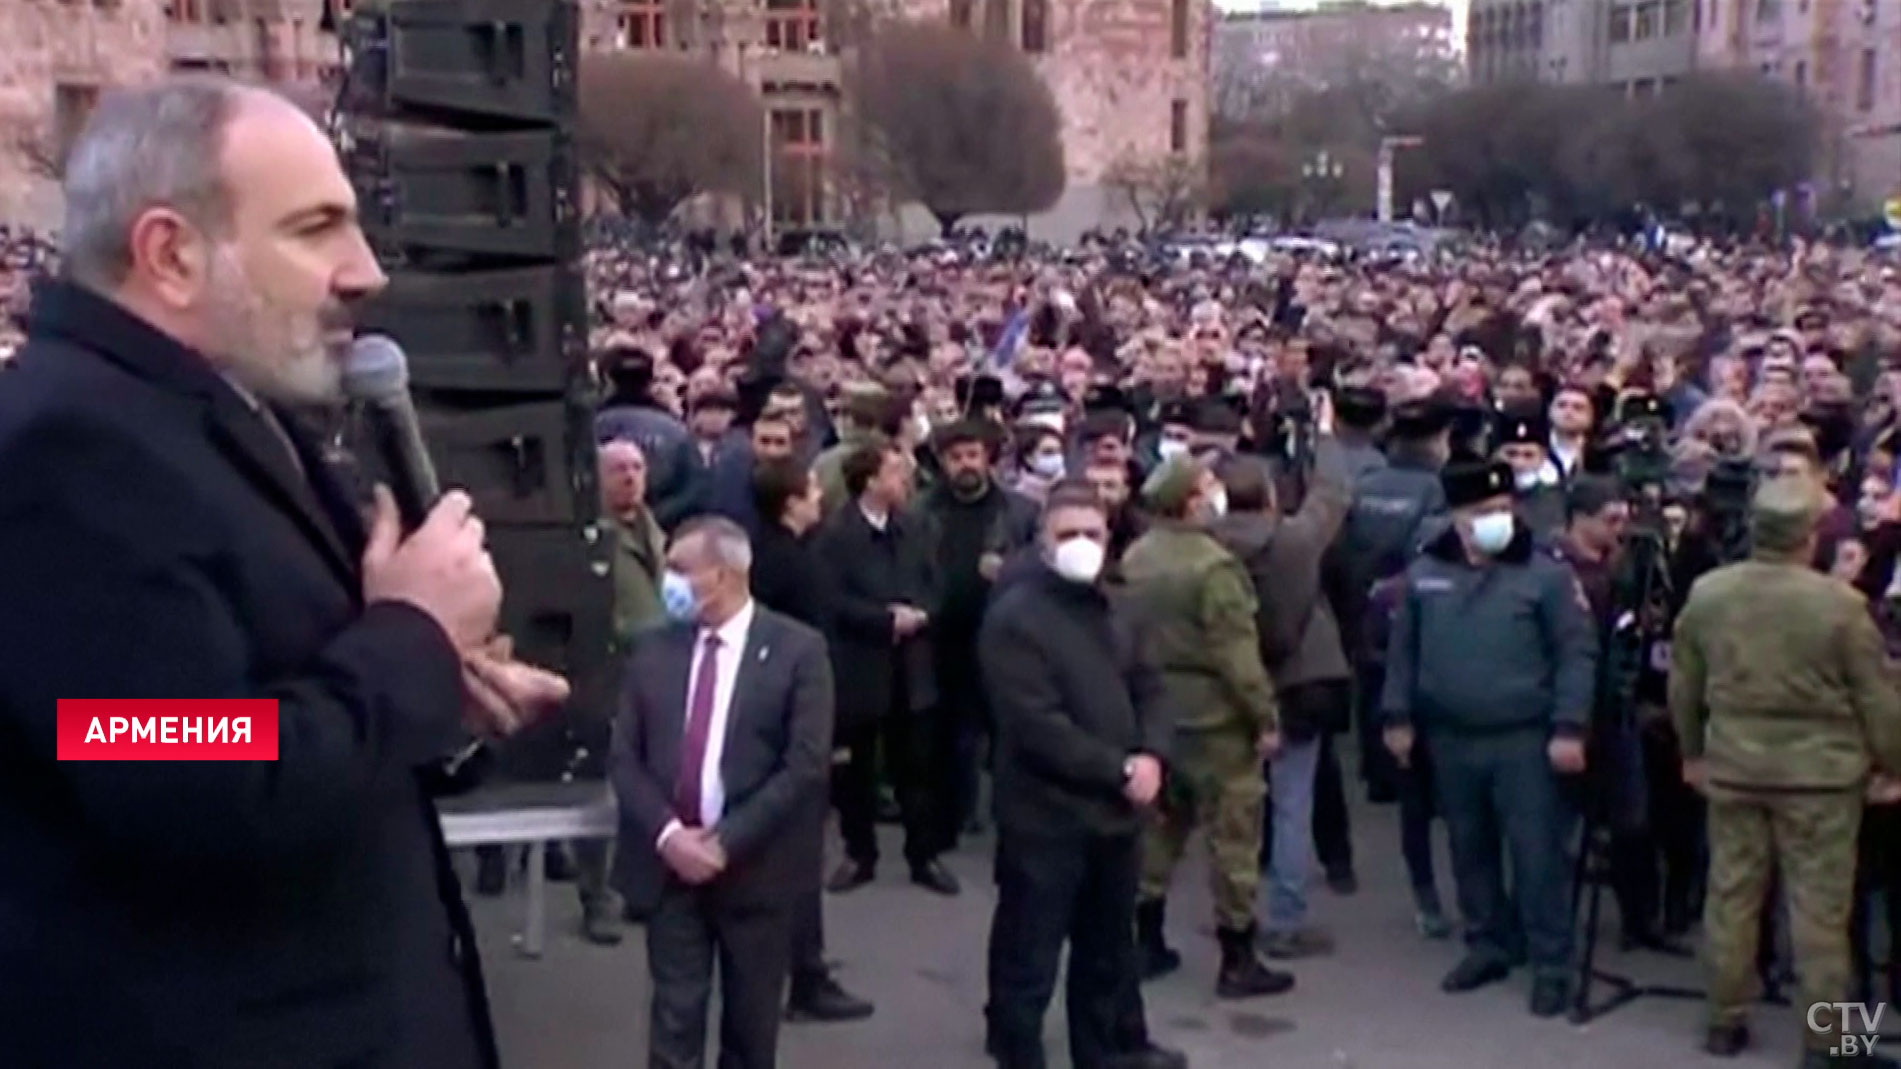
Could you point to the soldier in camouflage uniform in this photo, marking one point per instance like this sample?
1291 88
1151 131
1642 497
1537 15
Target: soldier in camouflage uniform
1200 606
1780 693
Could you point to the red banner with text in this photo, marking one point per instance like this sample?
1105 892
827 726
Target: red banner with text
168 729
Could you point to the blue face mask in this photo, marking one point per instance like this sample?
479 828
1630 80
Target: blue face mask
676 594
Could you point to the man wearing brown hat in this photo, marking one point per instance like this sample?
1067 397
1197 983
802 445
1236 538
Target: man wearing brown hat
1785 708
1199 605
1492 659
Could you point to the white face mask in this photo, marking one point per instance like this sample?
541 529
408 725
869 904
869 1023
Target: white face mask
1078 559
1048 465
1169 449
1527 481
1492 532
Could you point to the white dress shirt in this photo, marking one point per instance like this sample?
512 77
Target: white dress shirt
732 646
877 520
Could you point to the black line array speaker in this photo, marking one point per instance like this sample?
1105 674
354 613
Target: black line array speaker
456 124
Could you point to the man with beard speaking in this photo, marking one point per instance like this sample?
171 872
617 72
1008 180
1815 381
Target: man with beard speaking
167 532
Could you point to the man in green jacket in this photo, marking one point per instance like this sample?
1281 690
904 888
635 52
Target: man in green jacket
862 413
638 559
1200 606
1780 691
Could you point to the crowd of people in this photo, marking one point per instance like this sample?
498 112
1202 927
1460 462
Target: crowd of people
1578 555
1155 542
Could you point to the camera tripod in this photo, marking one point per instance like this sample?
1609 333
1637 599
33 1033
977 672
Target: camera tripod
1640 619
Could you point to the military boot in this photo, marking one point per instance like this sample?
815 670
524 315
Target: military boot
1243 974
1152 953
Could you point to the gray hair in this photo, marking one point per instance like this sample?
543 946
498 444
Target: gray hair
723 539
145 147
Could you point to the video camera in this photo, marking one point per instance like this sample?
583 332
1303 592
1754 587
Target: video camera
1638 447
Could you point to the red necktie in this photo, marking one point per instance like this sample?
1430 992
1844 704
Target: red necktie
699 726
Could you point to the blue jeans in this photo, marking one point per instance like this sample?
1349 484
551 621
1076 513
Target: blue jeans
1291 865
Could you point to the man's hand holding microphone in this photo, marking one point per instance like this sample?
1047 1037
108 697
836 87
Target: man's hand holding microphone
443 568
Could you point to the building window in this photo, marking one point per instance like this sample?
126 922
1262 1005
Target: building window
1036 15
791 25
1645 26
1801 75
1768 10
1675 17
186 10
1620 24
1865 81
1178 29
72 106
643 24
798 173
1178 126
960 13
997 20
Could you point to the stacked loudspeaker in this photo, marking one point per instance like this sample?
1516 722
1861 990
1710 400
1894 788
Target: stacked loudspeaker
456 123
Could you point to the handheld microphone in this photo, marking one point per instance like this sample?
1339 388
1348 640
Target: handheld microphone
376 375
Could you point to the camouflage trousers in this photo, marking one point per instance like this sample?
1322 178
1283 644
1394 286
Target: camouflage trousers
1810 839
1215 784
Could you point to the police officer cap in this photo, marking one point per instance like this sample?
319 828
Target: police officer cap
1468 481
1644 406
1783 513
1042 396
1170 485
1360 406
1216 415
1176 413
1523 426
1105 397
1415 420
978 391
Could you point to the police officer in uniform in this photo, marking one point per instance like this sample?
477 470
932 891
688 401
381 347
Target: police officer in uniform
1492 659
1524 442
1199 606
1394 504
1781 696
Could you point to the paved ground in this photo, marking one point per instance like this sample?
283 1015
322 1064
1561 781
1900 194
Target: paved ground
1374 1005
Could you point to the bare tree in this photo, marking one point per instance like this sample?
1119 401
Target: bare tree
959 125
42 154
1162 193
656 129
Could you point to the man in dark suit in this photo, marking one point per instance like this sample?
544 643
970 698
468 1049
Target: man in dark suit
722 742
884 605
789 578
169 533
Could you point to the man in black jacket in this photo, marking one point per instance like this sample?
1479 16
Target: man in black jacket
1081 734
975 524
789 578
887 602
171 534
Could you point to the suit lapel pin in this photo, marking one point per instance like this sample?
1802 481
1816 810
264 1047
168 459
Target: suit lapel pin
763 650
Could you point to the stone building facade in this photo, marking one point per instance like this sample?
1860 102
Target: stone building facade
59 54
1130 77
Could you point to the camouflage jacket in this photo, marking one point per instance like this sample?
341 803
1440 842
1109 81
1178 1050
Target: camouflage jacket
1778 680
1199 606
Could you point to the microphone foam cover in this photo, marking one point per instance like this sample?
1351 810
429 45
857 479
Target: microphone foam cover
375 370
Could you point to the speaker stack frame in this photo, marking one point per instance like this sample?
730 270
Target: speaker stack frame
456 123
